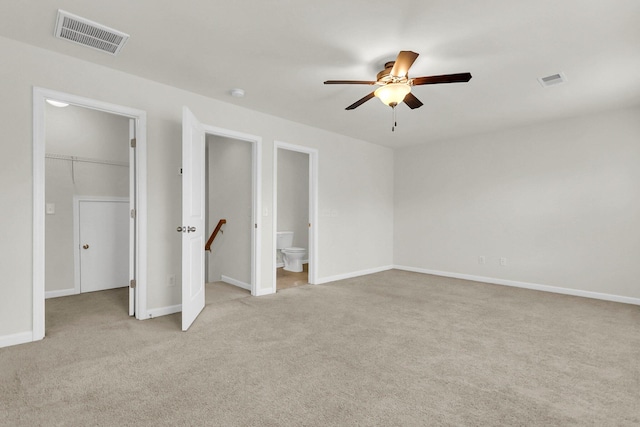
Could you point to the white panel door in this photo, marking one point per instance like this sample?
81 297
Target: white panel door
104 244
193 211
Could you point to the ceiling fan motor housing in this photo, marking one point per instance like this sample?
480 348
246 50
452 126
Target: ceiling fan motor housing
384 76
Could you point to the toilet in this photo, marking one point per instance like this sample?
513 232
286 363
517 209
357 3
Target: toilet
291 256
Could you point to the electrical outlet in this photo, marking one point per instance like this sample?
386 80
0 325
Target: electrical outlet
503 261
482 260
171 280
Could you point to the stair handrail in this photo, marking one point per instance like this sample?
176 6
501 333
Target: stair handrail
207 247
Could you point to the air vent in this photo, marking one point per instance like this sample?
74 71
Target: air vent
553 80
88 33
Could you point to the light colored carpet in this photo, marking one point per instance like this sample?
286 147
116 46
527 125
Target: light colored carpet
219 292
389 349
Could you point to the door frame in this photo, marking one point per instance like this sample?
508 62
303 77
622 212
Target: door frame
256 200
138 199
313 206
77 289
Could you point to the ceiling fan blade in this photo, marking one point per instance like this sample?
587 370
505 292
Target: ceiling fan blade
360 101
412 101
348 82
404 61
446 78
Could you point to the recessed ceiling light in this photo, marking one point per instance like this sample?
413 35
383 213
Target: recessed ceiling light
57 103
237 93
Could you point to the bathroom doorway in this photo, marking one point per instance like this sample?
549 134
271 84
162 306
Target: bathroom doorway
295 217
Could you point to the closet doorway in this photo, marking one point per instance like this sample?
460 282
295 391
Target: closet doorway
87 200
86 149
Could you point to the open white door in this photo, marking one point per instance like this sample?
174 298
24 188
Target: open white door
193 211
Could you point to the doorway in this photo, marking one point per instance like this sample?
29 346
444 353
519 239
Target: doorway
86 158
194 135
229 199
136 199
295 211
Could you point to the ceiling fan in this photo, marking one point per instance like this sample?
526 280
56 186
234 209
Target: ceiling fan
395 84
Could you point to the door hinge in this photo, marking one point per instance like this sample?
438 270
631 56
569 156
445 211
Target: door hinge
132 284
133 213
256 225
133 143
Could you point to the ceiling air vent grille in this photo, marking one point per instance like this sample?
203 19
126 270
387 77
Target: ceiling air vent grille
552 80
88 33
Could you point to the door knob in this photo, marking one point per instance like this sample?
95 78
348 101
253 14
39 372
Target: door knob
85 246
191 229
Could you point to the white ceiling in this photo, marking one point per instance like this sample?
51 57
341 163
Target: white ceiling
281 51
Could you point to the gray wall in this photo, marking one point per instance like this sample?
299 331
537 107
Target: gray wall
293 195
229 197
86 133
559 200
346 243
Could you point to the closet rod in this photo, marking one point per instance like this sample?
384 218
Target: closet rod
85 160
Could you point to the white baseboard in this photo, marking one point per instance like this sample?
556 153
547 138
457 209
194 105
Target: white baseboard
60 293
15 339
352 274
262 292
235 282
163 311
526 285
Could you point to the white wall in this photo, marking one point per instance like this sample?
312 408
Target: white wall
229 197
560 201
355 177
293 195
86 133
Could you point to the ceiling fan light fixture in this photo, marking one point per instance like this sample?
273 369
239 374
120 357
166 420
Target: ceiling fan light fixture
393 93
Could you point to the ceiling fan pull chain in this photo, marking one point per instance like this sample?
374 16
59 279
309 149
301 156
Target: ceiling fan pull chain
395 122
